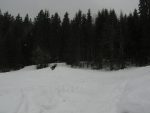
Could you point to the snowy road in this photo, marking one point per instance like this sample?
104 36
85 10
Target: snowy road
67 90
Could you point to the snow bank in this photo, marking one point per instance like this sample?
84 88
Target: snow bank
67 90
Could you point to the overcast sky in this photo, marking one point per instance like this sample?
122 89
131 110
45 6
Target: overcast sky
32 7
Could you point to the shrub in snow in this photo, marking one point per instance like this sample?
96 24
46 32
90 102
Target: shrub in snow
53 67
40 58
40 66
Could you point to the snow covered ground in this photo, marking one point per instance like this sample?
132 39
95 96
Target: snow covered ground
67 90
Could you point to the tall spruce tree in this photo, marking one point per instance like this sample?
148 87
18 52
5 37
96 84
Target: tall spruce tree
90 37
76 39
65 32
27 43
55 36
144 10
41 37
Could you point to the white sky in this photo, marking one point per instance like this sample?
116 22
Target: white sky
32 7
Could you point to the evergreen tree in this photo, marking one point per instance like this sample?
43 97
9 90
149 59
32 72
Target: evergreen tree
27 41
122 40
7 33
144 9
90 37
15 39
112 29
65 32
55 36
41 33
75 41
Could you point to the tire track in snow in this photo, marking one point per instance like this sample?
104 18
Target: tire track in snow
23 106
20 103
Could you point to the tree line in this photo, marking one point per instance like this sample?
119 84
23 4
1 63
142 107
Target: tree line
105 41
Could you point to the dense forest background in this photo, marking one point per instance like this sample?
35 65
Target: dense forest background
105 41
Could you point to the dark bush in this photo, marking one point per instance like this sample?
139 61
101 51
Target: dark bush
40 66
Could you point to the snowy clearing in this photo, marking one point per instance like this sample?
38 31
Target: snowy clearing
67 90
